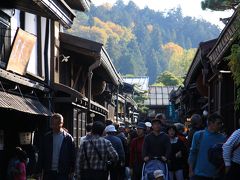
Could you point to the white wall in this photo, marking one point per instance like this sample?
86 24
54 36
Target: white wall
15 23
31 27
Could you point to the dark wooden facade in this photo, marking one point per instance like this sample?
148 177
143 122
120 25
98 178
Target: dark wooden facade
84 83
209 84
221 84
195 83
127 109
24 72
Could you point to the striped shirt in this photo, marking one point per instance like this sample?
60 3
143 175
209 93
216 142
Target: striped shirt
229 154
105 149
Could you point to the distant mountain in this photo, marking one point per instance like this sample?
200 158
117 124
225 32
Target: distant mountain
143 41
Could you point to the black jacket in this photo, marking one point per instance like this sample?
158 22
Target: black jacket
67 153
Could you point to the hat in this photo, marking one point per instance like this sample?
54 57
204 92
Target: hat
148 124
196 119
156 120
158 173
110 128
180 127
141 125
160 116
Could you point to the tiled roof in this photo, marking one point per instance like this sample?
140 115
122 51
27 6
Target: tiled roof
140 81
159 95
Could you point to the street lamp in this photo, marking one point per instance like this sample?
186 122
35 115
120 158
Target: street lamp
92 115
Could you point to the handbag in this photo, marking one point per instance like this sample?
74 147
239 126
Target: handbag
109 164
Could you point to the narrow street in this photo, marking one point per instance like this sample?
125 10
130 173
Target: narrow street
100 90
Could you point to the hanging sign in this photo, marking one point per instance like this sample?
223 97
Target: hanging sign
21 51
26 138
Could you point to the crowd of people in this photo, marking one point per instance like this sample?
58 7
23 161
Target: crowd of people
110 151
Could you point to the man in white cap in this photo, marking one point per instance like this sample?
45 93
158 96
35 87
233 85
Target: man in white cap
148 127
118 171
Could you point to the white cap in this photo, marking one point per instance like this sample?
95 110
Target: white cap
148 124
158 173
110 128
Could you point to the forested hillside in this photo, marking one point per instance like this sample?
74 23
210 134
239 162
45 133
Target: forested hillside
143 41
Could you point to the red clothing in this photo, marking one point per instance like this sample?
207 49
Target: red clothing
136 151
22 169
183 139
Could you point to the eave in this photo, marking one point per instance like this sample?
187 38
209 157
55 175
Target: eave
22 80
71 96
199 61
80 5
57 10
94 50
225 40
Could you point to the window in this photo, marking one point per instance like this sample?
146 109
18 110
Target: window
5 38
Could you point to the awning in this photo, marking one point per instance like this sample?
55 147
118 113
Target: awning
70 95
23 104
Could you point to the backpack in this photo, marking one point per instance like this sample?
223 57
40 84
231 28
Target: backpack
215 155
12 168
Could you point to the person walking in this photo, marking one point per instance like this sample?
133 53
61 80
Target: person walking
88 133
163 120
57 152
95 154
199 166
231 156
136 160
148 127
121 135
118 171
178 155
196 125
156 150
182 137
157 143
17 165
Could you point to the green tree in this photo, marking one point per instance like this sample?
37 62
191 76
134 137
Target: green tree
118 25
219 5
139 99
169 79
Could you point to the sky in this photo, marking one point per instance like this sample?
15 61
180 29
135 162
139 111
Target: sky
189 8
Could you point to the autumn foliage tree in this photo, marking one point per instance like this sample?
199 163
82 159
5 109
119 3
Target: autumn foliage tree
142 41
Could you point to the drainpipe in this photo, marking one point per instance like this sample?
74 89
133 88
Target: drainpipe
90 74
116 110
47 66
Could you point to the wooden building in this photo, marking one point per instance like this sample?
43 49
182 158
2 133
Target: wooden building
27 40
222 89
193 97
127 109
159 102
85 83
209 84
